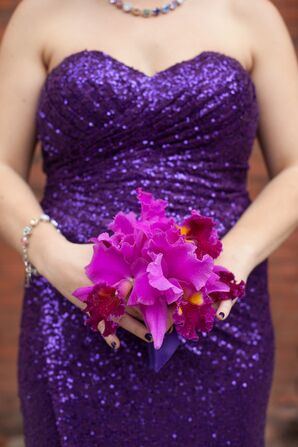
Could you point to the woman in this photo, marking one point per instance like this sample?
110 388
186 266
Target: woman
172 103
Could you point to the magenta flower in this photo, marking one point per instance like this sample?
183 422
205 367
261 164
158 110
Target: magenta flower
103 303
236 290
200 229
196 311
194 314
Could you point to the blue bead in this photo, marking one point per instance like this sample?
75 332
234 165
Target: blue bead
165 8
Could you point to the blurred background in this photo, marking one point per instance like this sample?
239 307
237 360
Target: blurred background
282 426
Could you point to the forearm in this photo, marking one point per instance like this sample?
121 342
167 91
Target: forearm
267 222
18 205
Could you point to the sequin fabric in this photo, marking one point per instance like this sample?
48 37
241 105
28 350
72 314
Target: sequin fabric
186 135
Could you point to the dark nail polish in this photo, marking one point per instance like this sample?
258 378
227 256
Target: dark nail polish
221 314
113 344
148 336
170 330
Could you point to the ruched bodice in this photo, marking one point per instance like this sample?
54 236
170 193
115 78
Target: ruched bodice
186 135
107 128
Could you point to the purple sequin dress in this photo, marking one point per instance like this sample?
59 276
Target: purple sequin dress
186 135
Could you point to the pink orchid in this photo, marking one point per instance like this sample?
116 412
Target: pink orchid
236 290
200 229
196 311
194 314
103 303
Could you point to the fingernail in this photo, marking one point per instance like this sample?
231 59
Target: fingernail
113 344
221 314
148 336
170 330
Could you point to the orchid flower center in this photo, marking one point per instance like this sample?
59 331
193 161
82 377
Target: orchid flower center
196 298
184 230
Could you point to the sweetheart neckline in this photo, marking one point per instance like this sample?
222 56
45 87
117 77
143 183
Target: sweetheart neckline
159 73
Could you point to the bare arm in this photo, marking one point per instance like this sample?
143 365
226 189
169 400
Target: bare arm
21 77
22 74
273 215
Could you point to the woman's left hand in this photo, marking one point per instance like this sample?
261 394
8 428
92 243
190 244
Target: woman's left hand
240 272
240 267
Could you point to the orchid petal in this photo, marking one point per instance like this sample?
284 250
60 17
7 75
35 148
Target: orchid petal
160 282
107 265
183 264
202 230
124 223
236 290
102 304
150 207
214 284
142 291
82 292
155 317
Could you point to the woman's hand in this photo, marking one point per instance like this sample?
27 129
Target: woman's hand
239 267
133 321
62 263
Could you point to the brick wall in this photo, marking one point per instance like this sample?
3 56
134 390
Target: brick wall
282 429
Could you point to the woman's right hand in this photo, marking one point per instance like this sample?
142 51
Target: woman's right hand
62 263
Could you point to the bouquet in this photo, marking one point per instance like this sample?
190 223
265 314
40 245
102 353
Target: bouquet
165 263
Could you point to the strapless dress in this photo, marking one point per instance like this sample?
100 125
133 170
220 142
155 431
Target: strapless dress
186 135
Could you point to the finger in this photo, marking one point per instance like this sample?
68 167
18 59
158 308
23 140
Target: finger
76 301
169 331
124 288
135 312
170 321
135 327
112 340
224 309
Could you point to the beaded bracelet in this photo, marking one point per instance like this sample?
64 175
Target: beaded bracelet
27 232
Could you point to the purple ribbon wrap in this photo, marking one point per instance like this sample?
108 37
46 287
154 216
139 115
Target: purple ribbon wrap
159 357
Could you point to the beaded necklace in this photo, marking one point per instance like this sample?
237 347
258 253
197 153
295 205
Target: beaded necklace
146 12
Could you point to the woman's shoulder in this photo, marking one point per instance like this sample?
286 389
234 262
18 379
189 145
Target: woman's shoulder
263 22
31 14
255 12
32 8
28 24
34 14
